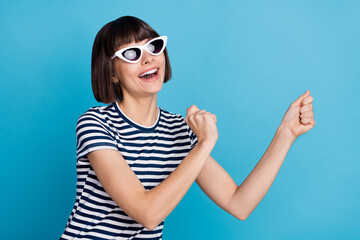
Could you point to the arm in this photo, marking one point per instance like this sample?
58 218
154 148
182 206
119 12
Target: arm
152 207
241 200
124 188
253 189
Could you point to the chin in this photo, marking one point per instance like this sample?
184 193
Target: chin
155 89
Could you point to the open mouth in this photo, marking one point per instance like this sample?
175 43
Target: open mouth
149 74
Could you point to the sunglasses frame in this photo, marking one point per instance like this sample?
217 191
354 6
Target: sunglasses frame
119 52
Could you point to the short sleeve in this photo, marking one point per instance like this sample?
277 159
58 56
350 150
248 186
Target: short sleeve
92 133
192 136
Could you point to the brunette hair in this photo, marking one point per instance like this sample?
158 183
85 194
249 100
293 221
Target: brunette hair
110 37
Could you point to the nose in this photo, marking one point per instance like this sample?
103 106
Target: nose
147 57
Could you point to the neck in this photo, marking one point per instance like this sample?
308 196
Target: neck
143 111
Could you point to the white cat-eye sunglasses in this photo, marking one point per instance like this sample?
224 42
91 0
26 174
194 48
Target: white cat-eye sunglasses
133 54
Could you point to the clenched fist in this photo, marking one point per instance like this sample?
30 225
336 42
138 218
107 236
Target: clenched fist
299 118
203 124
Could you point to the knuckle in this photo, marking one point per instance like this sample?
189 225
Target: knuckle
191 107
310 114
200 112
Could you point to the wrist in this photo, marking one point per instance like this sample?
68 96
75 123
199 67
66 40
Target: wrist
206 144
284 134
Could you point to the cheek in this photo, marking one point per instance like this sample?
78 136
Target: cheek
163 64
128 72
163 58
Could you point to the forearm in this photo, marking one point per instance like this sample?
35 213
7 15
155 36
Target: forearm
164 198
249 194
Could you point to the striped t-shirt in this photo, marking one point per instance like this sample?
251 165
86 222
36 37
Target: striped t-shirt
151 152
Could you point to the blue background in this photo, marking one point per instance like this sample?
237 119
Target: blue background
245 61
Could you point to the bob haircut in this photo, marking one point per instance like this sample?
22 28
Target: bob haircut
123 30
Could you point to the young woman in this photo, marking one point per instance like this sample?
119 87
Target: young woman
136 161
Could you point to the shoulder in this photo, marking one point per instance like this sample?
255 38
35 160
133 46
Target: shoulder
175 120
99 112
101 115
168 116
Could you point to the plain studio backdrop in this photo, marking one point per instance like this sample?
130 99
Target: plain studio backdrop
245 61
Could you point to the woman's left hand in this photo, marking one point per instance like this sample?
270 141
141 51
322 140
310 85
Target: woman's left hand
299 118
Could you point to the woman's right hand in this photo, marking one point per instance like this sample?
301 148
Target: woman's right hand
203 124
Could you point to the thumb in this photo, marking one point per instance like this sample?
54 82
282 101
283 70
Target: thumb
298 101
192 109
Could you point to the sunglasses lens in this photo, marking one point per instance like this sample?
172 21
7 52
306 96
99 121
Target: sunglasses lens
132 54
156 46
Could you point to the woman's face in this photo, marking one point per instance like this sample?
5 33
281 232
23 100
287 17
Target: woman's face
128 73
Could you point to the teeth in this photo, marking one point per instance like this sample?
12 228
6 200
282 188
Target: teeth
148 72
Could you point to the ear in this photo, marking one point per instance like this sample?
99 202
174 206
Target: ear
115 79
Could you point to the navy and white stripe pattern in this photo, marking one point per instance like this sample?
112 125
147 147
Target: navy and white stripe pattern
151 152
